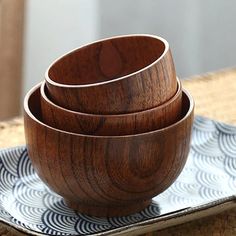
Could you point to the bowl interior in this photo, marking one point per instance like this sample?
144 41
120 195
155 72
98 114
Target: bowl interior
106 59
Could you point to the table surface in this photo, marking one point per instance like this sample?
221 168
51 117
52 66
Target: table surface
215 97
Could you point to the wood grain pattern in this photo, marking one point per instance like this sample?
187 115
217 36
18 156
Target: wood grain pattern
11 35
114 76
107 175
131 123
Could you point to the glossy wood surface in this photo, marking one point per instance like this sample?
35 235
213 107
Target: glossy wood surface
132 123
107 175
114 76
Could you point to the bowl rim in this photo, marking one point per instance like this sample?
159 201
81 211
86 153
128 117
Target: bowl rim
73 86
120 115
33 117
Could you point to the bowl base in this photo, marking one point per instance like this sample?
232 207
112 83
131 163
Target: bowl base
108 211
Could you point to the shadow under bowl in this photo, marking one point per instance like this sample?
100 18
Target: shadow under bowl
107 175
116 75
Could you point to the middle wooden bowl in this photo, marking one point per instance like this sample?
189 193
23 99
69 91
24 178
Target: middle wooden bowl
122 124
117 75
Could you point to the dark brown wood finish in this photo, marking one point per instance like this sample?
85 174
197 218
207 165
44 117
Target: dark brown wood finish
114 76
131 123
107 175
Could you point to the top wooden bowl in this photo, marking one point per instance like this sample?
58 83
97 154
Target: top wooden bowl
114 76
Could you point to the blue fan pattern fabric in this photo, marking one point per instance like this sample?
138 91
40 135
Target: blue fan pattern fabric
209 174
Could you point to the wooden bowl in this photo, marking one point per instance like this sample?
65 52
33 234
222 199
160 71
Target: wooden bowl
107 175
117 75
121 124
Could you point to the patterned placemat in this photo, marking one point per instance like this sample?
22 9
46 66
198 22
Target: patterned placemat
208 176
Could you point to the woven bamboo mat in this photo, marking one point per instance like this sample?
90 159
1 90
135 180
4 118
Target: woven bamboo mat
214 95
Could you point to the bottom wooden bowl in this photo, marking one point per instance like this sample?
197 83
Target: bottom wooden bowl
107 175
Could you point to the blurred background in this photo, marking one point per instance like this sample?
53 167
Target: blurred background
33 33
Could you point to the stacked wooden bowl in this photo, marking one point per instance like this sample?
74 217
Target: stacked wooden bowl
110 126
